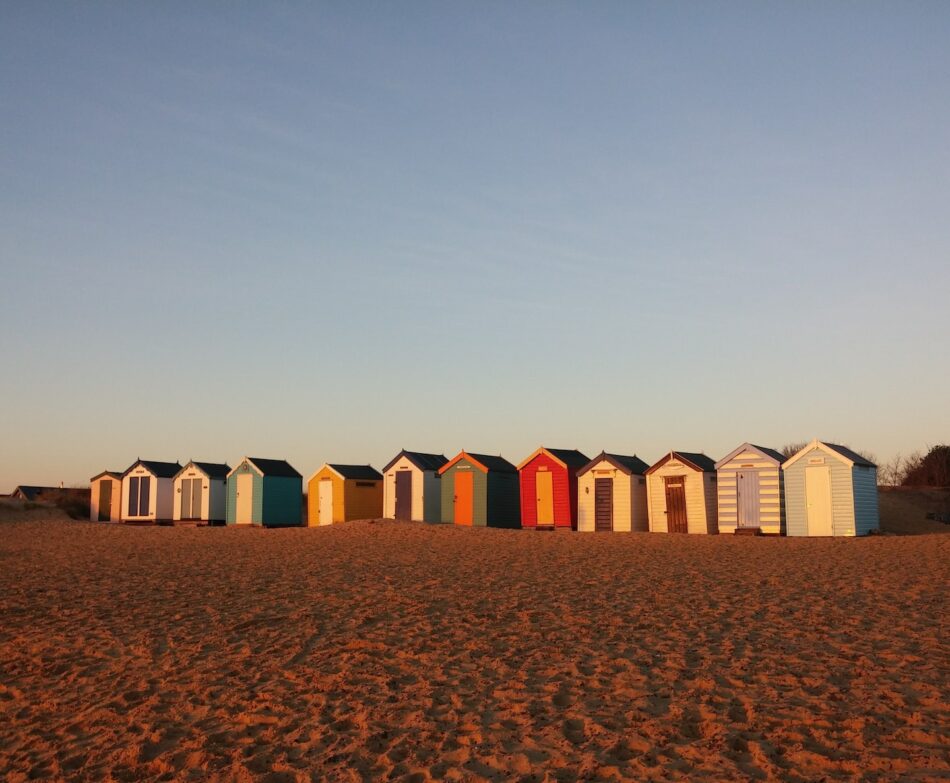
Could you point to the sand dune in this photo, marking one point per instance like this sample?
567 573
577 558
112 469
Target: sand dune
401 651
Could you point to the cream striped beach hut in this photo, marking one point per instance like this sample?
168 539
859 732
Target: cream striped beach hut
681 494
749 481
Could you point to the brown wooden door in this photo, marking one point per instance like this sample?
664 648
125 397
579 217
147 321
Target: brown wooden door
604 504
464 497
676 504
105 501
404 494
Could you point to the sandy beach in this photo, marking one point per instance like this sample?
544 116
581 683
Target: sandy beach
402 651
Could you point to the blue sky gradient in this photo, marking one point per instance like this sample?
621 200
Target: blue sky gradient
325 232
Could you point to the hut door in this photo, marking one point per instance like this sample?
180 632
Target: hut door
747 489
195 499
544 487
325 501
818 501
139 488
185 490
105 501
403 494
245 499
676 504
603 504
464 497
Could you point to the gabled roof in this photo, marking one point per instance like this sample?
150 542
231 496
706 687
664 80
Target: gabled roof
420 459
628 465
571 459
834 450
770 454
116 474
30 492
158 469
484 462
693 459
214 470
360 472
269 467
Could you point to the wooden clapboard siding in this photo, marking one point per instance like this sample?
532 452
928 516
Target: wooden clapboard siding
431 496
562 492
700 491
362 499
771 500
325 473
629 498
114 482
479 493
854 506
257 494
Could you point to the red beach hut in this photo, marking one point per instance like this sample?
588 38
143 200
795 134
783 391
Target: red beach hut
549 488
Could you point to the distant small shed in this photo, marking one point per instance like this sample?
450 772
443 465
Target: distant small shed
612 494
412 487
266 492
548 479
201 493
341 493
148 492
480 490
105 497
749 481
830 490
681 494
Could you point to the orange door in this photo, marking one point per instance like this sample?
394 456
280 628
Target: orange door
464 485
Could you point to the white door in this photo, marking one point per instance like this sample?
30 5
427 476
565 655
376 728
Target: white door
325 502
818 501
245 499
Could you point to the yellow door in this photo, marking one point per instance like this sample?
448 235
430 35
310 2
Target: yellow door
544 487
245 499
818 501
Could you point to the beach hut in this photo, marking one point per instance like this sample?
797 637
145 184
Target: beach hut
681 494
548 479
480 490
105 497
266 492
612 494
148 491
201 493
749 481
412 488
341 493
830 490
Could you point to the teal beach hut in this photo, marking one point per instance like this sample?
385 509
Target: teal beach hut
267 492
830 490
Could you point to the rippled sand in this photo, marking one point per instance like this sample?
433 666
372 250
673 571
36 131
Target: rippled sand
373 651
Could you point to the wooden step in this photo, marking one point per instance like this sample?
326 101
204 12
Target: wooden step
748 531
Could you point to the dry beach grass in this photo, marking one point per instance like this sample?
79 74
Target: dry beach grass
384 650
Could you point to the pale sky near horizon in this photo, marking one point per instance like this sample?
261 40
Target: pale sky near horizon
325 232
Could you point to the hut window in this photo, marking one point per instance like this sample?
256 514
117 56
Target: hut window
366 483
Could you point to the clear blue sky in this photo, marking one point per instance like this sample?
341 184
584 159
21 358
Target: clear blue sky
324 232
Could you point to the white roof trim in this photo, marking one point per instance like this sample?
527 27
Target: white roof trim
821 447
241 461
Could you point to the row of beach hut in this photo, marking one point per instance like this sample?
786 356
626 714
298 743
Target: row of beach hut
823 490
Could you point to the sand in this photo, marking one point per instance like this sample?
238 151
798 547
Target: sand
401 651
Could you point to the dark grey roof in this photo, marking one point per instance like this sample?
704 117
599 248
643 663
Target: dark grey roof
216 470
776 455
570 457
362 472
31 493
274 467
420 459
629 465
116 474
847 453
701 461
491 462
156 468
